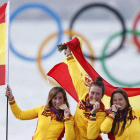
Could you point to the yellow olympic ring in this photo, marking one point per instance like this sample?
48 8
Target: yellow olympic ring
69 32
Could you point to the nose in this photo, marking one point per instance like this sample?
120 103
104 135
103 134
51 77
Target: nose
94 96
117 102
57 101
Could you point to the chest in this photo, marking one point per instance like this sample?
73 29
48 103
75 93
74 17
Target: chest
82 115
131 131
48 121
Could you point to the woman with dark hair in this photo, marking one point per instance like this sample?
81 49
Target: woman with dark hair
52 121
122 122
90 111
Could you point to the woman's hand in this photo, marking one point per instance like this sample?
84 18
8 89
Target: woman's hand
67 51
96 107
66 112
114 109
8 93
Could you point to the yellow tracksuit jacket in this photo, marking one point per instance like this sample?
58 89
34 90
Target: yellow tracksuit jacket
86 127
131 132
47 127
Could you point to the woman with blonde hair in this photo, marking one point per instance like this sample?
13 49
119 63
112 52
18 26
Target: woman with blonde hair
53 118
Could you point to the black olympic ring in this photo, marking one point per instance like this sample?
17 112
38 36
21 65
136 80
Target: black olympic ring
115 12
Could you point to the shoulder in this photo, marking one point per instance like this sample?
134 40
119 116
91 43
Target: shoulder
137 112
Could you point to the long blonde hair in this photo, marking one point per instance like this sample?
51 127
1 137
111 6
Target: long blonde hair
52 93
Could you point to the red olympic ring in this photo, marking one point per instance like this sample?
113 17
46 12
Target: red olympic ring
134 28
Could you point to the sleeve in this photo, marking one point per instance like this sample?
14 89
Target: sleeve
94 123
75 74
69 128
23 115
138 112
106 126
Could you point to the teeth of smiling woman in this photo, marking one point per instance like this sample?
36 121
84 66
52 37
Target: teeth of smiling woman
57 105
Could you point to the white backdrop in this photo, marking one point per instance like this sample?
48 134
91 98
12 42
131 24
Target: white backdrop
29 86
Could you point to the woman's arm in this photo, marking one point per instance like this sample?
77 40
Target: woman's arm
94 123
23 115
106 126
76 77
69 128
18 113
69 125
75 74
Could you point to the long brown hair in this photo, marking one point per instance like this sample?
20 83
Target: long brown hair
52 93
116 124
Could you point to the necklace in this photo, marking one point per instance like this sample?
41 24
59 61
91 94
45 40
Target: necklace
124 115
58 114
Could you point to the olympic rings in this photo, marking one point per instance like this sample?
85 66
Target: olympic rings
103 60
109 8
47 10
69 32
134 28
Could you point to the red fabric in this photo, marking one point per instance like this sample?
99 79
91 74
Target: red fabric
61 135
99 138
2 13
61 74
111 136
2 74
74 45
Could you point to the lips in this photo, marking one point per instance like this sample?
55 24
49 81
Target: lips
57 105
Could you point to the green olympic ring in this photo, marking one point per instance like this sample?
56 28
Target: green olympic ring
103 60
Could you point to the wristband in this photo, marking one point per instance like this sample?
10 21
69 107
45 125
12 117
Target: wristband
93 114
114 112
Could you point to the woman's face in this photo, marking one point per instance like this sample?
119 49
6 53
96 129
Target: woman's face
118 99
95 93
57 100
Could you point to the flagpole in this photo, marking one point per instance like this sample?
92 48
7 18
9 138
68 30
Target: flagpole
7 120
7 65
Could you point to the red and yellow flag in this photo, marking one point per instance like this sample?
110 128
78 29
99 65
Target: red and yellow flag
4 24
86 69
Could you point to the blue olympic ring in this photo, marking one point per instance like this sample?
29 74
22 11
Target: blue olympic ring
47 10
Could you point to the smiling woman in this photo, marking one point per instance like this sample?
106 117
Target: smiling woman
88 117
52 121
122 122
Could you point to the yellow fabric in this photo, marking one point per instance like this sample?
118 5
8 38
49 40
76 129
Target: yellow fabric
85 128
82 71
47 128
2 43
130 133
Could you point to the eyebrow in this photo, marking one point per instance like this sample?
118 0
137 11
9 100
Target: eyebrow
117 98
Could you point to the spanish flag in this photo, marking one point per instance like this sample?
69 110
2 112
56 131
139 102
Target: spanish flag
4 26
87 70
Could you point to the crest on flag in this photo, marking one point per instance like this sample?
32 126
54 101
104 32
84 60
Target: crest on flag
88 80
